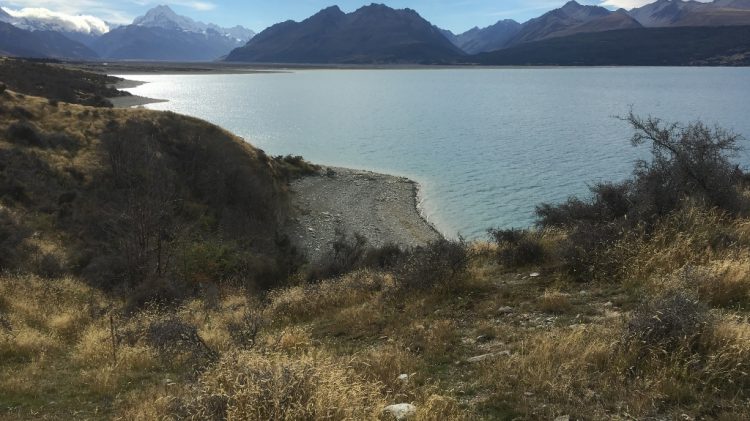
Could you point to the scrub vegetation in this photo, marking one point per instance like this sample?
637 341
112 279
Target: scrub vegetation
145 276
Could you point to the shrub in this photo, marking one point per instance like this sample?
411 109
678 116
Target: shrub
668 322
609 202
171 336
245 332
385 257
436 264
586 252
345 255
686 161
295 166
518 248
25 133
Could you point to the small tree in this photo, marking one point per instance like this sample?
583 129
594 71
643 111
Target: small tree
686 161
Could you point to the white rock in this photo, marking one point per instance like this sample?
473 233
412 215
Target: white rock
401 411
534 274
404 378
483 357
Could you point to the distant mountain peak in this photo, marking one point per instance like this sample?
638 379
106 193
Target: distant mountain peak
162 16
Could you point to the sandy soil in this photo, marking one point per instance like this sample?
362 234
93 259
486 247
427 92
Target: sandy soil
382 208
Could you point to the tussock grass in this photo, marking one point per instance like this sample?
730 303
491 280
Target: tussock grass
644 316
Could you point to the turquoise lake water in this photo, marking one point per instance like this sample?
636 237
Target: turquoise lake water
486 145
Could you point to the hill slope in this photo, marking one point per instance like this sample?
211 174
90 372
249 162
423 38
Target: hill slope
632 47
372 34
570 19
491 38
126 197
40 44
667 13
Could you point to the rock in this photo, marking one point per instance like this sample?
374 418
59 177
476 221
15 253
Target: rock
403 377
563 418
401 411
608 304
534 275
505 310
483 357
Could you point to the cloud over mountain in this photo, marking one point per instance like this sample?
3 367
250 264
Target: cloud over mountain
37 18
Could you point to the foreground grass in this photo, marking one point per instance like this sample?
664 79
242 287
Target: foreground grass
338 349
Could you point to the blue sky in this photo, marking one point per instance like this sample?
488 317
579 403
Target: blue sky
456 15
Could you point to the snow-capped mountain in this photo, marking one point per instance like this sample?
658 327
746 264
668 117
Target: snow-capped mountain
165 18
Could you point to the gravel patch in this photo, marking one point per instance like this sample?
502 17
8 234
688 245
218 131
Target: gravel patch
381 207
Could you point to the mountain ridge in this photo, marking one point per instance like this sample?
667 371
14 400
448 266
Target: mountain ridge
372 34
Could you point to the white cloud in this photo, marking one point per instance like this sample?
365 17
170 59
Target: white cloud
68 22
98 8
630 4
626 4
193 4
200 5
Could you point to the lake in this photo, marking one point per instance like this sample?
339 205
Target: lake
486 145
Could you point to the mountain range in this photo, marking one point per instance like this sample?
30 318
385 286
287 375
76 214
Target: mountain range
378 34
574 18
160 34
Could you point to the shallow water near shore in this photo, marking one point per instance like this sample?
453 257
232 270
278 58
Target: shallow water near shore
486 145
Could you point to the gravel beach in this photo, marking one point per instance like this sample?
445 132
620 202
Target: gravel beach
130 101
382 208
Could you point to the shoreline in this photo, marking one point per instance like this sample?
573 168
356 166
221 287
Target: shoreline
383 208
131 101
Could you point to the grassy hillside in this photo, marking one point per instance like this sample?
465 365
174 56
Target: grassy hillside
144 278
136 199
58 83
688 46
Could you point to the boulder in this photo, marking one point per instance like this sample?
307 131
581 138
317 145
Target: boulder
401 411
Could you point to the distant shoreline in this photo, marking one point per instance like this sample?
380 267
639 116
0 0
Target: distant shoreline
130 101
206 68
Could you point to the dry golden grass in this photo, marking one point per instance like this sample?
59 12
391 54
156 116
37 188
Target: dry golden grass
338 349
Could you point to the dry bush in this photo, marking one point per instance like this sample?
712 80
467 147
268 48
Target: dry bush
436 341
442 263
248 386
555 302
725 283
518 248
308 301
693 236
575 370
439 408
383 364
674 320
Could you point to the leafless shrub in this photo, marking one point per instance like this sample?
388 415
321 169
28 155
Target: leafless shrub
170 336
245 332
668 322
436 264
